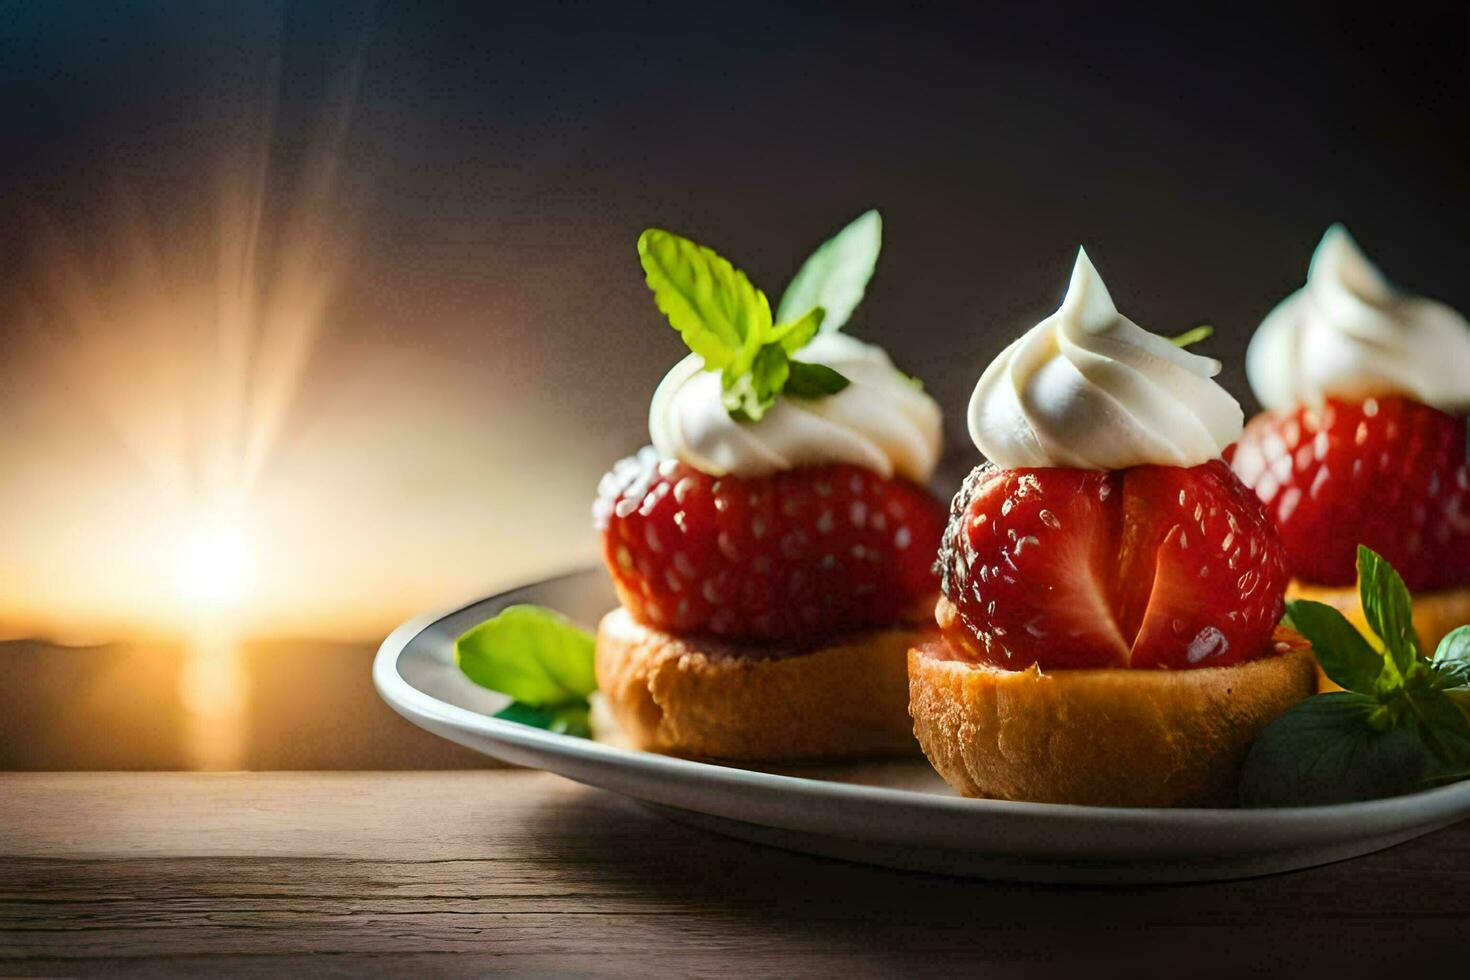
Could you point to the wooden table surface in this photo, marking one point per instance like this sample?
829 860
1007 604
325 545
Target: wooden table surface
514 871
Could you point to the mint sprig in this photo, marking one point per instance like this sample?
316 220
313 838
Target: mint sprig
1398 725
727 321
540 659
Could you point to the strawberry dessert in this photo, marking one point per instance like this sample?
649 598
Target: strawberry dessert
773 549
1111 592
1363 439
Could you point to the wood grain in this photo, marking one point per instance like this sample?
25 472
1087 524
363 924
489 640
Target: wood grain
521 872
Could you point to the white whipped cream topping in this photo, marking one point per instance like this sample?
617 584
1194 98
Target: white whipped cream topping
879 421
1089 388
1348 334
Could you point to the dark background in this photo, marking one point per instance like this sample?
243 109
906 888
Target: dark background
491 347
501 159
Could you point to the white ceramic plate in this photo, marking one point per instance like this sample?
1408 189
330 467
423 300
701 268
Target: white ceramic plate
899 814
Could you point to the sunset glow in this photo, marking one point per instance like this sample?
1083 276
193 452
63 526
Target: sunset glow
216 565
191 437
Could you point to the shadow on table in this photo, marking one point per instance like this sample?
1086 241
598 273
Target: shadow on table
899 921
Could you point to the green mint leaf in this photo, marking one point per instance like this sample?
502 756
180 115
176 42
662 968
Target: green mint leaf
1442 726
1388 609
837 274
1202 332
1345 656
532 654
712 304
573 719
798 333
748 395
914 382
570 719
1326 750
1451 661
814 380
770 370
523 714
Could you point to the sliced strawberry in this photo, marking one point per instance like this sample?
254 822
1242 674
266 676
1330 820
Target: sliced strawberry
1027 565
808 553
1215 572
1389 473
1156 566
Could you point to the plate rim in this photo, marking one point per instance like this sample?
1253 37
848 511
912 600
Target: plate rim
1442 804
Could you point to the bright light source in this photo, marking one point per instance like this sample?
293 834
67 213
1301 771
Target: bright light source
215 566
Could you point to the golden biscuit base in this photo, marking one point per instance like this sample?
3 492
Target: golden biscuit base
701 697
1108 737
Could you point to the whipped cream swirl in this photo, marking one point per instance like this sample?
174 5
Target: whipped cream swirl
1348 334
1089 388
880 421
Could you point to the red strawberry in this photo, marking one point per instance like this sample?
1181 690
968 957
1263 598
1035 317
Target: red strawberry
1389 473
1156 566
1219 571
811 552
